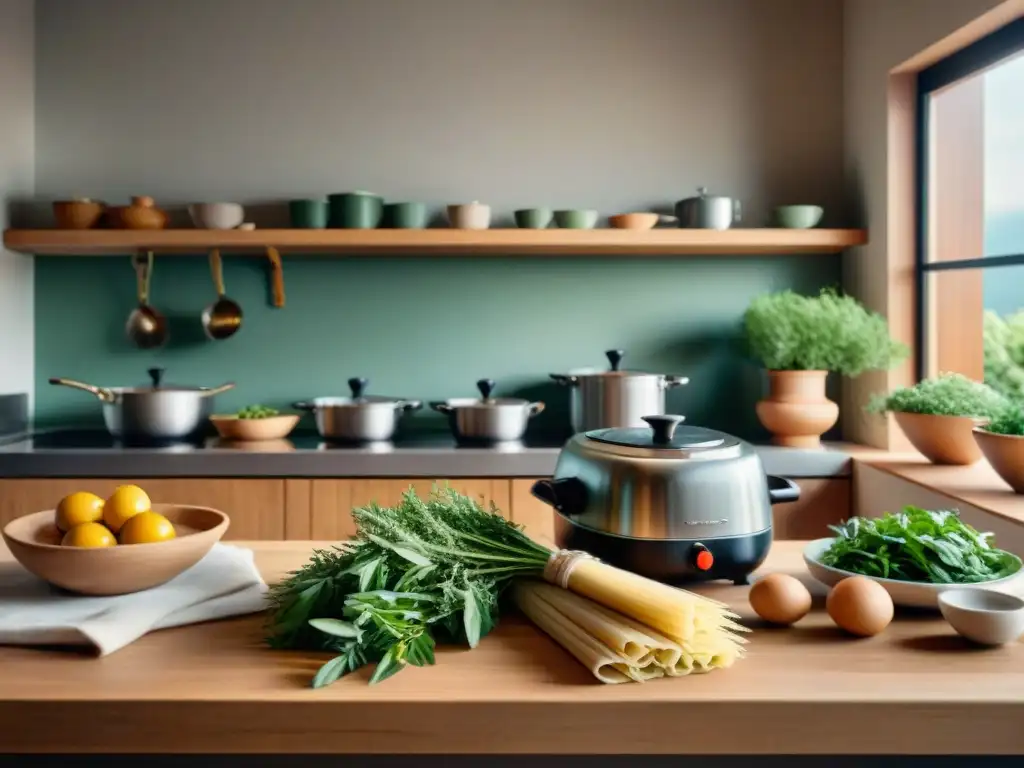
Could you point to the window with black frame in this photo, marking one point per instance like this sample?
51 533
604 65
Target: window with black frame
970 255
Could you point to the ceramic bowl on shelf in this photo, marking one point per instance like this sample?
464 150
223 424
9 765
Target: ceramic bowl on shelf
270 428
35 543
469 215
983 616
141 214
1006 455
912 594
576 218
942 439
216 215
80 213
798 216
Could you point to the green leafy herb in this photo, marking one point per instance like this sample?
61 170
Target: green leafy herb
950 394
918 545
416 573
257 412
830 332
1008 421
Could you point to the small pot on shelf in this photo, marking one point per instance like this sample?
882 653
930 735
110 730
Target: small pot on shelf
1006 455
489 420
796 411
942 439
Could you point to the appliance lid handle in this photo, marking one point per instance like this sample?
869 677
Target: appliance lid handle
664 427
782 490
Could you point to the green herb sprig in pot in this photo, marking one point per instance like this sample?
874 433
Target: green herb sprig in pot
938 415
1002 442
799 340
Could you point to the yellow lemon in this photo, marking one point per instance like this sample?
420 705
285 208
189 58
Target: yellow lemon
146 528
89 535
125 502
77 508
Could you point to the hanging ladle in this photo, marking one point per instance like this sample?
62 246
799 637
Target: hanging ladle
223 318
146 327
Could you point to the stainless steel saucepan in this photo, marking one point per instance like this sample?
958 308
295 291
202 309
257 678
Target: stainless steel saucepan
157 413
615 398
489 420
359 418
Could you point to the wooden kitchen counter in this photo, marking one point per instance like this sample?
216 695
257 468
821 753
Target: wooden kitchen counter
214 688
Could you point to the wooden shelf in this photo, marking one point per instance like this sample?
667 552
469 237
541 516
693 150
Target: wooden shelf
438 242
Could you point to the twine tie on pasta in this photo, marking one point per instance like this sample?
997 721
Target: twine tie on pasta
561 564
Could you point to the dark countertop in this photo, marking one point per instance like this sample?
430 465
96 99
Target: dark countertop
95 454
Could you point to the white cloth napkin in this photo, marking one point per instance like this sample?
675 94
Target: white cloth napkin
224 583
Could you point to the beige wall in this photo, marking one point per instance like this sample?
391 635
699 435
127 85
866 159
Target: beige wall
589 103
878 36
17 120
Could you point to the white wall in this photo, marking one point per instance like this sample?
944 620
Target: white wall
568 103
17 152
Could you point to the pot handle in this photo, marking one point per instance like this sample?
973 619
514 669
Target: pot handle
536 408
782 490
568 495
217 390
104 394
565 379
409 405
441 407
357 386
674 381
303 405
615 358
486 386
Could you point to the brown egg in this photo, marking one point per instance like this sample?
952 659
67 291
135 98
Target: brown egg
860 606
780 599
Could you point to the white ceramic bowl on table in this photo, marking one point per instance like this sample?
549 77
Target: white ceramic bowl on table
911 594
983 615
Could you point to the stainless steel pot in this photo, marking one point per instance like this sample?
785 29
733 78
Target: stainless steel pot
670 502
158 413
359 418
615 398
707 211
488 420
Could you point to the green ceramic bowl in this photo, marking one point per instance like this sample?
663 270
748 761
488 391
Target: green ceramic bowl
798 216
576 219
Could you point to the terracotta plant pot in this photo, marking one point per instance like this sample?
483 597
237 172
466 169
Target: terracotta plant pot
796 411
1006 455
942 439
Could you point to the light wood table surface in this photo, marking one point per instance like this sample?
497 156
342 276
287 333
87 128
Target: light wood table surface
214 688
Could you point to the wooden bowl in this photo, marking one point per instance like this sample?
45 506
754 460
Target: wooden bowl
272 428
1006 455
78 214
942 439
633 220
35 543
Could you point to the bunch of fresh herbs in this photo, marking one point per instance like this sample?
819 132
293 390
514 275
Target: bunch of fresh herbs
1008 421
419 572
786 331
918 545
950 394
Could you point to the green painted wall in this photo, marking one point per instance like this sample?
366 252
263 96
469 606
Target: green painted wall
425 328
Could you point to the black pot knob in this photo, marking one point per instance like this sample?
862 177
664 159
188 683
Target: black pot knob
357 386
664 427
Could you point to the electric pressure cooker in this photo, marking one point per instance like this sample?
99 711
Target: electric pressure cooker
674 503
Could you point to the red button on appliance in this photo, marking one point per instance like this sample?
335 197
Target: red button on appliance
704 559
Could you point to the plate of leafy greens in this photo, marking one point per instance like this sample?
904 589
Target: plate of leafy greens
914 554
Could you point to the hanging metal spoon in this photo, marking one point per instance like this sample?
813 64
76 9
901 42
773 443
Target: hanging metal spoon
223 318
146 327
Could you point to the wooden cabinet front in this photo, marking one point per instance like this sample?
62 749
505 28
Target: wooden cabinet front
256 507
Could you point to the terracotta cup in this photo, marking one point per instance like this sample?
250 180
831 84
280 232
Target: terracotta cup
796 411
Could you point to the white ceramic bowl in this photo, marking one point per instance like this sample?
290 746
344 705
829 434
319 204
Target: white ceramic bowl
216 215
984 616
914 594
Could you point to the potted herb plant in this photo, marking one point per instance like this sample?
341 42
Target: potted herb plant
938 415
799 340
1002 442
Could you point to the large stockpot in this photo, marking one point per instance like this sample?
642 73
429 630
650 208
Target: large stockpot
669 502
154 414
359 418
489 420
615 398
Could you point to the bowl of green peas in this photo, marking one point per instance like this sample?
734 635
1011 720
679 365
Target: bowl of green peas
255 422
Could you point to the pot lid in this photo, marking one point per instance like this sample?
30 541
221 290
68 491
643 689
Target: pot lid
614 360
358 385
486 386
665 434
156 376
